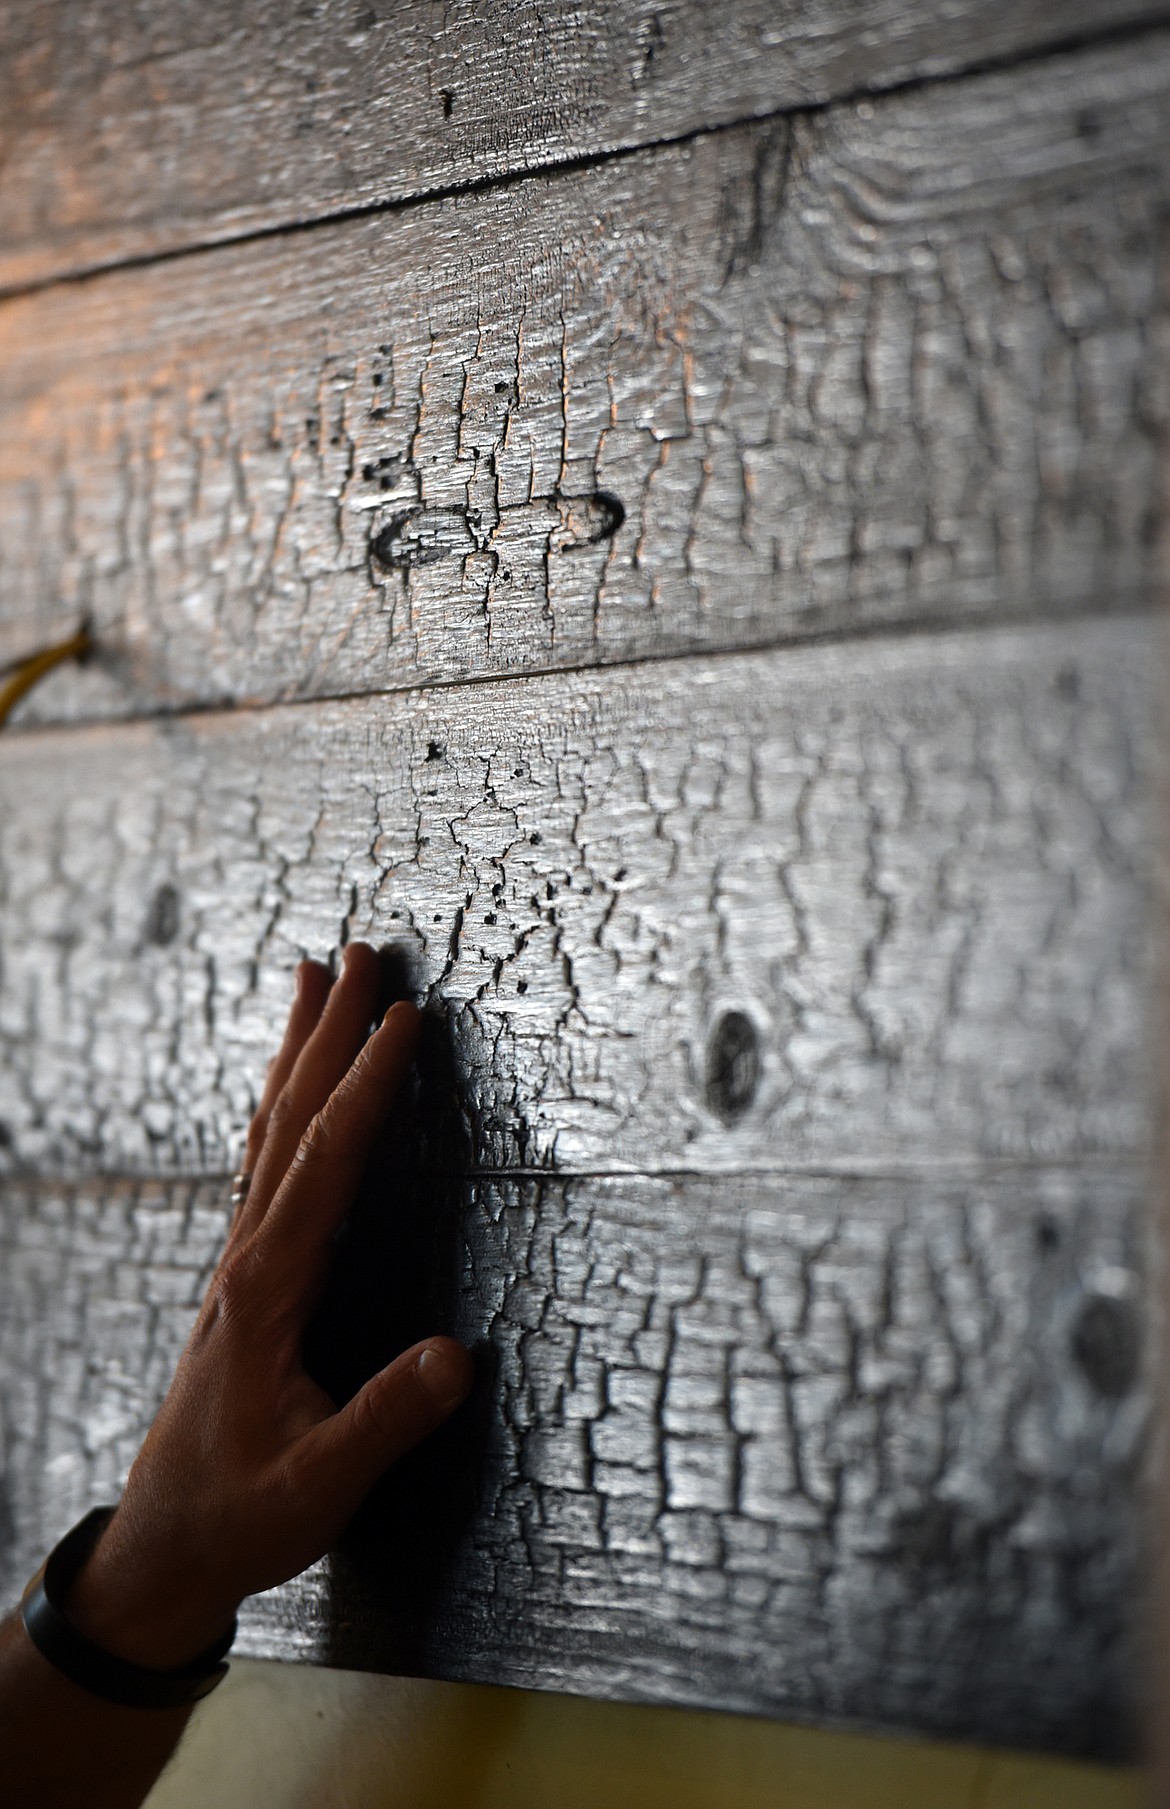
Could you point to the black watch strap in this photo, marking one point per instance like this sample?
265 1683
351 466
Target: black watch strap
78 1658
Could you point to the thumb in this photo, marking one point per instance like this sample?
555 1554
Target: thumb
395 1411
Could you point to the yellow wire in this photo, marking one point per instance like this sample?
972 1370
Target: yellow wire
33 669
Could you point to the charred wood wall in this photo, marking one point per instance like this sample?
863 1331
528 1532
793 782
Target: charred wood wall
663 527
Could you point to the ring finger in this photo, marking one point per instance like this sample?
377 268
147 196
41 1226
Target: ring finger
313 985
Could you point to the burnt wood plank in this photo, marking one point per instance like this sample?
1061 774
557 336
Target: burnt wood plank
130 131
822 905
898 362
855 1448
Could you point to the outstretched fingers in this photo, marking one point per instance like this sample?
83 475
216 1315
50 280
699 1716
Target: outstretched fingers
294 1237
321 1063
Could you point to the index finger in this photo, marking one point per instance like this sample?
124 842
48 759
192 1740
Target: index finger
318 1189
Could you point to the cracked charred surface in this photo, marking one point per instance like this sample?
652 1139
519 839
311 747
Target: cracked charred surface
785 1088
903 361
126 131
771 908
810 1444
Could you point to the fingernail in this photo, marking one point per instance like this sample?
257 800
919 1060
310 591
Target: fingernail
404 1006
444 1376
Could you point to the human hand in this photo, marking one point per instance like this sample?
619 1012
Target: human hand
249 1472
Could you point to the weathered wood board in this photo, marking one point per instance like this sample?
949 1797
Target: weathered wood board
900 362
127 131
797 907
695 606
860 1448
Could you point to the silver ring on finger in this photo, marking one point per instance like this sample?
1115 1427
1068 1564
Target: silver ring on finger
240 1185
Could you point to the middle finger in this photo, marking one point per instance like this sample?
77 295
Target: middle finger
324 1060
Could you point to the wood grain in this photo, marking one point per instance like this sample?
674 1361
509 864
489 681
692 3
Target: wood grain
783 908
900 362
133 131
781 1131
860 1448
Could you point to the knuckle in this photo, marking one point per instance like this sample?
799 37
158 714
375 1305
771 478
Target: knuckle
248 1301
359 1097
320 1140
377 1419
284 1114
233 1289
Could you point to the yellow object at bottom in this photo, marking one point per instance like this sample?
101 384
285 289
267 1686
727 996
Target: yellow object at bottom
297 1737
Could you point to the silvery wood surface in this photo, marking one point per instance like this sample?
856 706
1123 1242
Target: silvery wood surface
804 906
786 1090
857 1447
902 362
127 131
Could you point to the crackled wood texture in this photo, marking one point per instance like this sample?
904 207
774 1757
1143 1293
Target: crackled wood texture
861 1447
799 906
126 130
694 608
907 361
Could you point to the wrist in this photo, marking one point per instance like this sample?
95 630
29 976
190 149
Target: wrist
147 1608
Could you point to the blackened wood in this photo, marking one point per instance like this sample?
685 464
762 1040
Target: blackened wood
823 905
839 1411
858 1449
128 131
899 362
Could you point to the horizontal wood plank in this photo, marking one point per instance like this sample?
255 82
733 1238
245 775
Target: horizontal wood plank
819 906
852 1449
904 361
131 131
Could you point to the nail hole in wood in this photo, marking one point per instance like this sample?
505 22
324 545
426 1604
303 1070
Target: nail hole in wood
414 537
607 513
588 520
733 1066
929 1536
1106 1343
162 917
